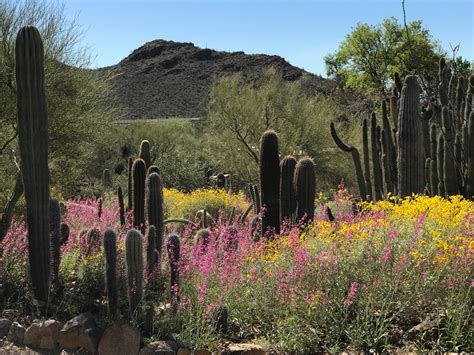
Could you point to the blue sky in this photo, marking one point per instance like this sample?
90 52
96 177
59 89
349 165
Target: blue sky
300 31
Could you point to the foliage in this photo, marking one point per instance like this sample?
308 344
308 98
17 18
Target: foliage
239 112
371 54
78 115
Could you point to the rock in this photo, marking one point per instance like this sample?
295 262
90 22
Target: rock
5 325
247 349
42 335
184 351
80 332
160 347
16 333
202 352
120 339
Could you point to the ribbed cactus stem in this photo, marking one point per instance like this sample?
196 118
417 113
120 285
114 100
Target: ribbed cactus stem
449 166
64 234
356 158
173 247
287 188
153 169
378 193
365 150
470 157
110 252
270 182
434 160
305 184
145 153
55 235
390 150
151 261
394 108
258 203
138 192
33 142
121 206
106 178
154 204
440 165
386 164
134 261
411 162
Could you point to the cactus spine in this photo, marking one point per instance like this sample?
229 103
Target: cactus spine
305 183
55 232
134 259
33 142
270 182
411 162
138 192
154 205
110 251
287 188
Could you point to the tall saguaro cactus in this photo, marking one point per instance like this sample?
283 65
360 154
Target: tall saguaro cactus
110 251
55 234
33 142
411 162
287 188
154 204
138 189
145 153
270 181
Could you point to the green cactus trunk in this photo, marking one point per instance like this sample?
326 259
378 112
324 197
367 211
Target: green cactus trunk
154 205
33 142
378 192
470 157
64 234
151 257
440 165
55 236
386 164
173 247
390 150
270 182
449 165
134 260
106 178
138 192
121 206
287 188
130 184
110 251
145 153
411 163
305 186
365 149
434 160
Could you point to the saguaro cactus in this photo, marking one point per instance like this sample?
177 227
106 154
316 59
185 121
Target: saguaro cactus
287 188
134 259
151 252
110 251
434 160
145 153
121 206
411 162
130 184
305 183
154 204
375 158
64 233
33 142
55 234
440 164
270 181
365 151
106 178
138 188
449 165
470 157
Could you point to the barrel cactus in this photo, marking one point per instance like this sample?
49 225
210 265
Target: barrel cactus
270 182
134 262
110 252
305 184
33 143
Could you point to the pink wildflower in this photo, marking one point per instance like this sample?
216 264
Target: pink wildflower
351 295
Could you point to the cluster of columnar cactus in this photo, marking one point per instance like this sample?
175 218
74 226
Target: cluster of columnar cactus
418 149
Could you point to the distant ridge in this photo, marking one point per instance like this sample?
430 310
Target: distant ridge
171 79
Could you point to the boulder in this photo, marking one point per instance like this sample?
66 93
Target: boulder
5 325
161 348
80 332
16 333
247 349
42 335
120 339
184 351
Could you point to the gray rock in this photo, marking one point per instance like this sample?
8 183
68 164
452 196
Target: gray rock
16 333
80 332
247 349
161 348
120 339
42 335
5 325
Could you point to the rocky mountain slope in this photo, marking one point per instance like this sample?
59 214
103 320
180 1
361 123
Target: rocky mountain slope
169 79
